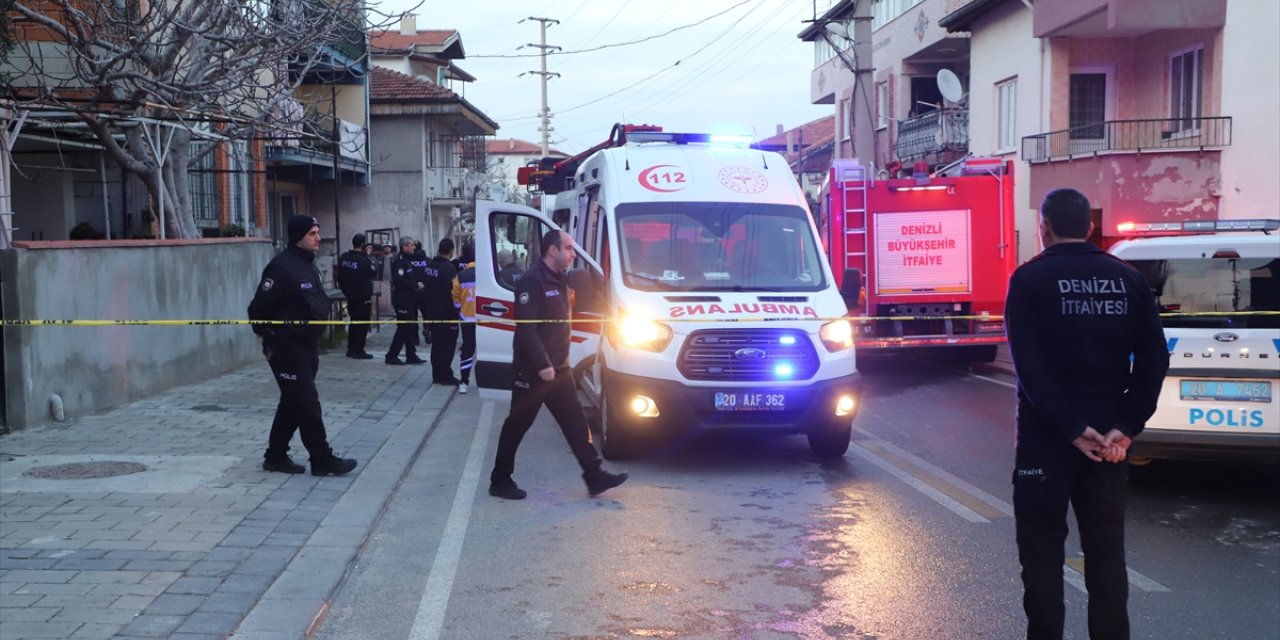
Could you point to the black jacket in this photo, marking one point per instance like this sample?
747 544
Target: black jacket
541 294
1075 316
356 272
437 290
404 279
290 289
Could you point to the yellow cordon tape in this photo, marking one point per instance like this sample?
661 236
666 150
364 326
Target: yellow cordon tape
492 320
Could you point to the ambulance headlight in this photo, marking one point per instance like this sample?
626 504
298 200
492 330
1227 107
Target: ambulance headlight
837 335
642 333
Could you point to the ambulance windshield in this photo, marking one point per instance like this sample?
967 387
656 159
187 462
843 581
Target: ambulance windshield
718 246
1215 285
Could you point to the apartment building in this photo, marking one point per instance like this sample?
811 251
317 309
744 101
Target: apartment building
505 157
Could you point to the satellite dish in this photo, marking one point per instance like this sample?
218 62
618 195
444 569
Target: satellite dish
949 86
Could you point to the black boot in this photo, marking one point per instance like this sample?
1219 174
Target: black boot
506 488
283 465
332 465
599 481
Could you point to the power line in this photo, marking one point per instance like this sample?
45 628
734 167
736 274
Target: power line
618 44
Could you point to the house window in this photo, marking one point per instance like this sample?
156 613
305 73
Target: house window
241 185
1186 83
846 118
882 105
1007 115
1088 105
202 187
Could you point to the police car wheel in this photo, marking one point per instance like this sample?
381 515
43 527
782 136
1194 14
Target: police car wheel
615 443
832 441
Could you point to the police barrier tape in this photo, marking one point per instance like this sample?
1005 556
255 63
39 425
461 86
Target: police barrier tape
488 319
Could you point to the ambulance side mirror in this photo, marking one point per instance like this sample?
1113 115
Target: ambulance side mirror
851 287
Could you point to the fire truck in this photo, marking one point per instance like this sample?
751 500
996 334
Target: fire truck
923 261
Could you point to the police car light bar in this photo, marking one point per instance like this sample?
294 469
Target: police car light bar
686 138
1199 226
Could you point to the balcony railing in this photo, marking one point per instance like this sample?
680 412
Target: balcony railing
933 132
1128 135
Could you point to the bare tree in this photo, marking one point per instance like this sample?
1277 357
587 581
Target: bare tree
149 76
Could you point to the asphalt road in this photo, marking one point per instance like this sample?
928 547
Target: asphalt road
733 536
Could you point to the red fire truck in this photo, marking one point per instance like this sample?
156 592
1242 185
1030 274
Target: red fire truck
923 261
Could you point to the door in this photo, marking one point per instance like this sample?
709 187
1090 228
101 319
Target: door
509 242
1087 112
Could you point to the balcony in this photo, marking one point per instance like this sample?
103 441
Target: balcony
302 147
1137 136
938 131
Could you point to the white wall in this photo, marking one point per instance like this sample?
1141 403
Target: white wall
1001 47
1250 95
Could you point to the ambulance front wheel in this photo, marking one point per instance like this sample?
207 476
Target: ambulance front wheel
831 442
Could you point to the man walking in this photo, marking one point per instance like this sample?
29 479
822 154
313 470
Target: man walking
441 315
542 373
291 290
404 289
464 299
1090 358
356 272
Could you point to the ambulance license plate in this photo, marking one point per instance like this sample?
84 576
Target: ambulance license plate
1228 390
750 401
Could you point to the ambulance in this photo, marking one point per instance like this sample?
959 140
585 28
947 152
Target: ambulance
1219 297
702 298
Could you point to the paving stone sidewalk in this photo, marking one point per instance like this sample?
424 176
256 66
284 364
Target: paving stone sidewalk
202 543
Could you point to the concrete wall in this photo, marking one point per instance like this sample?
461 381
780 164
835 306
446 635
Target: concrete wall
1002 48
1250 93
93 368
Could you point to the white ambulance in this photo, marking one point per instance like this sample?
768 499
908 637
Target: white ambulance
1219 295
703 298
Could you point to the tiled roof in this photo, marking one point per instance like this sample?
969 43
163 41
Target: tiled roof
386 85
513 146
807 134
393 39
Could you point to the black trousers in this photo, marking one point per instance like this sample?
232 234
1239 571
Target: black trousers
467 359
360 310
406 336
444 342
299 408
423 312
1044 483
527 398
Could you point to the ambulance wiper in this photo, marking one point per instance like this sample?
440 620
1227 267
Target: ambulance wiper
650 279
737 288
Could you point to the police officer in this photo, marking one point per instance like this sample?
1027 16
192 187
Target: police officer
404 287
356 272
440 314
291 290
542 373
1075 317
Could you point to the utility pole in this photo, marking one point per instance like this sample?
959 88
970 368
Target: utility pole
546 113
857 34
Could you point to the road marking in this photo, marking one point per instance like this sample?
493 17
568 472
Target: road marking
941 498
973 497
1137 580
435 597
992 380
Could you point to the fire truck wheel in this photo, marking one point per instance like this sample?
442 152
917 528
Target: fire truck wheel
831 442
615 443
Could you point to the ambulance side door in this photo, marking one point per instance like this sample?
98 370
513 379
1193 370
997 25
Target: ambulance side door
508 243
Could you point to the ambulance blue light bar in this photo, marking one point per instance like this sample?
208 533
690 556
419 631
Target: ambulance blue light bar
687 138
1199 226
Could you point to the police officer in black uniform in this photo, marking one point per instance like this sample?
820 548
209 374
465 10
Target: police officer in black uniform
291 290
404 288
356 272
1090 357
440 314
542 373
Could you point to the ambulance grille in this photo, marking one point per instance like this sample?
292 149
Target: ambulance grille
734 355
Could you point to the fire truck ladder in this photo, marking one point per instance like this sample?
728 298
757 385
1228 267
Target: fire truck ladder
853 193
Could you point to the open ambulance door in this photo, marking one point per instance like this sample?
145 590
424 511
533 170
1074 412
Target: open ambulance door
509 242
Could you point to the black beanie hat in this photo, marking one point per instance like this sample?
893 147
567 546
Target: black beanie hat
299 226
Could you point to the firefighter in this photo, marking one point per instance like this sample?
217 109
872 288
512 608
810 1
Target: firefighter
356 272
404 287
291 290
1076 316
542 373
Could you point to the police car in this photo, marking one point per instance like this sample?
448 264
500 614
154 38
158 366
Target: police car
1219 297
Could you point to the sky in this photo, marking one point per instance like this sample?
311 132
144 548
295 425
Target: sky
733 66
